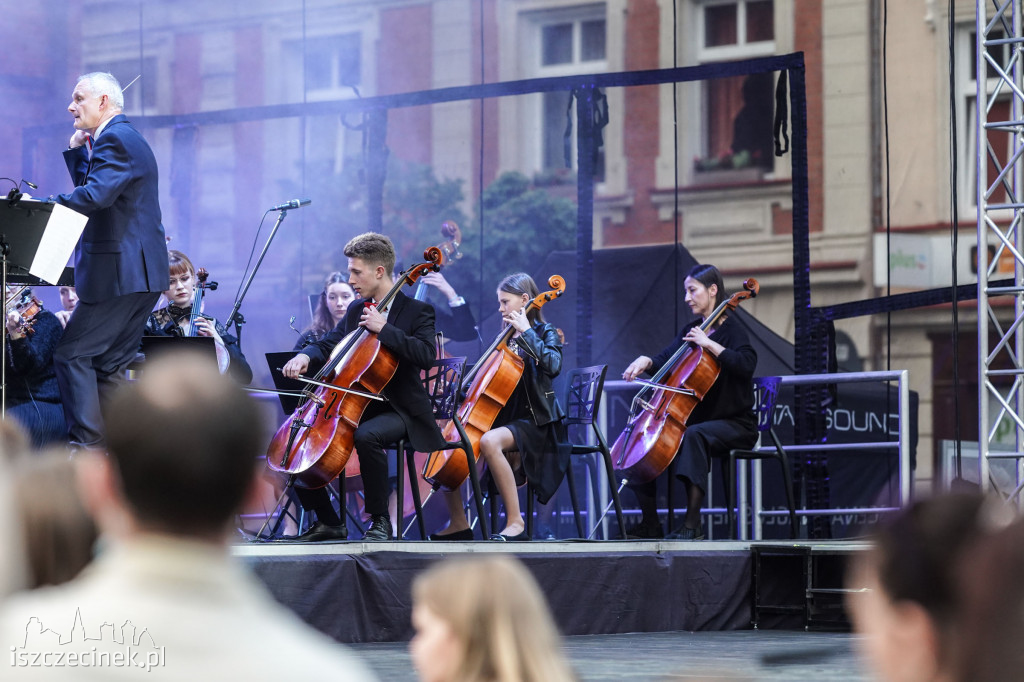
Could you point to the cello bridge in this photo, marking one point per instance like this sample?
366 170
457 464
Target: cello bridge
645 405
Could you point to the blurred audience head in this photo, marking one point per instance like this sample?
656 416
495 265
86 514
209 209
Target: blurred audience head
58 532
182 442
993 631
911 609
484 619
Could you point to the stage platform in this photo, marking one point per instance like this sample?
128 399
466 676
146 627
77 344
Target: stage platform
361 592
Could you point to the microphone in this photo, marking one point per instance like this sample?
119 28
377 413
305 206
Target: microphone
294 203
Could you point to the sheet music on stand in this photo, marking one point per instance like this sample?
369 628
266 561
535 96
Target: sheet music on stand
37 239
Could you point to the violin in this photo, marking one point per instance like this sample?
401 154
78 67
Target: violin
315 443
27 306
656 425
487 388
198 292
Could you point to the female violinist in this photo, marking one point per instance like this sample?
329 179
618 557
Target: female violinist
527 433
173 319
32 395
330 309
723 420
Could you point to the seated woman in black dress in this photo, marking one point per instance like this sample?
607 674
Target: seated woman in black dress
32 395
528 436
173 319
723 420
330 309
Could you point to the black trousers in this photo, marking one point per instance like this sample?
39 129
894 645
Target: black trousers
99 342
373 435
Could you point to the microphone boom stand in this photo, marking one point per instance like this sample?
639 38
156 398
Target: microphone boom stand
252 275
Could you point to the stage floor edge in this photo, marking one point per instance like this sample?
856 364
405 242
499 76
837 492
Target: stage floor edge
361 592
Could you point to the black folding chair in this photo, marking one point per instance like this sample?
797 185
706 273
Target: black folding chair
442 381
584 388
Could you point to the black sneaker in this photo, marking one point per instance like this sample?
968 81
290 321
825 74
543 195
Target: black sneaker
645 530
380 528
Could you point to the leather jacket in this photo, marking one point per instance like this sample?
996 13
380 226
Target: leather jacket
541 344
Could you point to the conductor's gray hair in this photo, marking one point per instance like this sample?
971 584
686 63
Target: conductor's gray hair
102 83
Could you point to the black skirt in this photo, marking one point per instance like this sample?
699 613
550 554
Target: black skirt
544 450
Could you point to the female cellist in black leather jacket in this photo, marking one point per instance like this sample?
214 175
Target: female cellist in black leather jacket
530 423
723 420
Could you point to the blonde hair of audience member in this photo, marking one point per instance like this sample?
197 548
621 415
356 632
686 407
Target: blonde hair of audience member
911 610
484 619
58 531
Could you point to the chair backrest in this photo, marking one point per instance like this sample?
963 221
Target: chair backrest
442 382
766 394
583 394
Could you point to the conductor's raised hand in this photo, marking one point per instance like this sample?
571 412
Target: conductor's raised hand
78 139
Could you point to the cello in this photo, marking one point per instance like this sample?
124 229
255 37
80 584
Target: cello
487 388
656 425
315 443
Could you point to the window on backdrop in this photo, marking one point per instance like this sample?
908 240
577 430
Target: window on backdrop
332 67
738 112
569 43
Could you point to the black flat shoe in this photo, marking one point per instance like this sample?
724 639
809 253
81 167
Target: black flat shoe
320 532
457 536
522 537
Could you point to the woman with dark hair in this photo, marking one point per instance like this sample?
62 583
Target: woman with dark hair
527 437
173 319
724 419
330 309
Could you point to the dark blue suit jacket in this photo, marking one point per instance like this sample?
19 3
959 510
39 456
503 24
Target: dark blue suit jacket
122 250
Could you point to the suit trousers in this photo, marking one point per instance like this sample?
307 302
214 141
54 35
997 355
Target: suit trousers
99 342
374 433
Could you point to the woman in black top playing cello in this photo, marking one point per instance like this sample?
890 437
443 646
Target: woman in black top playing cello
527 433
723 420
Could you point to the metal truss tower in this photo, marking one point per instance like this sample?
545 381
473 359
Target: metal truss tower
1000 192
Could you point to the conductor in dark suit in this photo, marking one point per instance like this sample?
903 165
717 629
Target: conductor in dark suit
121 259
407 330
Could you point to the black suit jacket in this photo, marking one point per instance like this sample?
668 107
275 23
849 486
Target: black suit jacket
409 334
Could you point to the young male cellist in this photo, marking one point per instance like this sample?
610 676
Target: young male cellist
407 330
723 420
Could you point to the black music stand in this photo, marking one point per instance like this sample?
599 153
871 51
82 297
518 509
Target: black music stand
23 224
290 388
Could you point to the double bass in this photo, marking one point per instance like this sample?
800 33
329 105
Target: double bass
487 388
656 424
315 443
